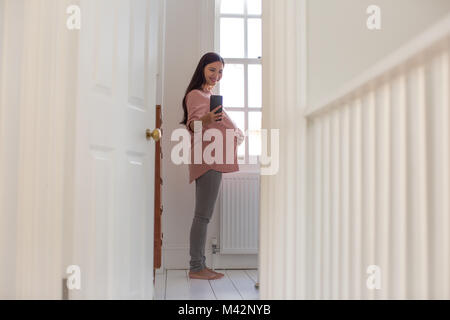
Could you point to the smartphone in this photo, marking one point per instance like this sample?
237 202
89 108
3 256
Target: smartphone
216 101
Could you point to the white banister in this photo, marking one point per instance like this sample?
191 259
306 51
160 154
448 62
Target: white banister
379 179
439 188
283 201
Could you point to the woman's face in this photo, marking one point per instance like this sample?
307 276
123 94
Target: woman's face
213 73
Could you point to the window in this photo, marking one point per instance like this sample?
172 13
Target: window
239 42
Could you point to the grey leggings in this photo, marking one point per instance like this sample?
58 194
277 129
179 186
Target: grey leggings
206 190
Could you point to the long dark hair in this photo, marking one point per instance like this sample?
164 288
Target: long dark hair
198 79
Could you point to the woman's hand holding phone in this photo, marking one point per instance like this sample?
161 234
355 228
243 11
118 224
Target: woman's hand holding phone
210 117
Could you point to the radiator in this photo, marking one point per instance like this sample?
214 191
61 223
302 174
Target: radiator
239 213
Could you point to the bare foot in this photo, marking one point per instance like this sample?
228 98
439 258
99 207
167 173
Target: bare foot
203 275
221 275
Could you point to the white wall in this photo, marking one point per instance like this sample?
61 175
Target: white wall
340 46
189 34
181 53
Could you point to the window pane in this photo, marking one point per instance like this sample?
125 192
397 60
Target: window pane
232 6
254 6
254 85
239 120
254 125
254 38
232 37
232 86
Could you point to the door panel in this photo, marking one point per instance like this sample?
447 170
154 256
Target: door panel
115 163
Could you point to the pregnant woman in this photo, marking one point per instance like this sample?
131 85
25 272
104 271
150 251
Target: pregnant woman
208 177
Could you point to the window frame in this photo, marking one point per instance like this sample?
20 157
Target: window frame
251 161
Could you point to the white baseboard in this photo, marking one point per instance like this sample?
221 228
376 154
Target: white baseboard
177 257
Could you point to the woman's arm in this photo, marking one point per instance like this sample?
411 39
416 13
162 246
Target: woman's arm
197 108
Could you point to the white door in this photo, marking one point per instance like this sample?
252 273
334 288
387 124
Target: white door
114 190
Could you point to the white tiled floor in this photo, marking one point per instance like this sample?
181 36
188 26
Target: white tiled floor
235 285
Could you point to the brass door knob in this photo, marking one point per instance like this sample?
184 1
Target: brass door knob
155 134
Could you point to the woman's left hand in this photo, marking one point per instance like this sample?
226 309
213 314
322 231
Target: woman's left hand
240 136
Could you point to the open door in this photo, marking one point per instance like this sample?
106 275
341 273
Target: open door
115 157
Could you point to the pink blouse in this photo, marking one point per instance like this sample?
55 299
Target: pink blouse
197 102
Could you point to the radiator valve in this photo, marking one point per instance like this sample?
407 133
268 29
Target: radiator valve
215 248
